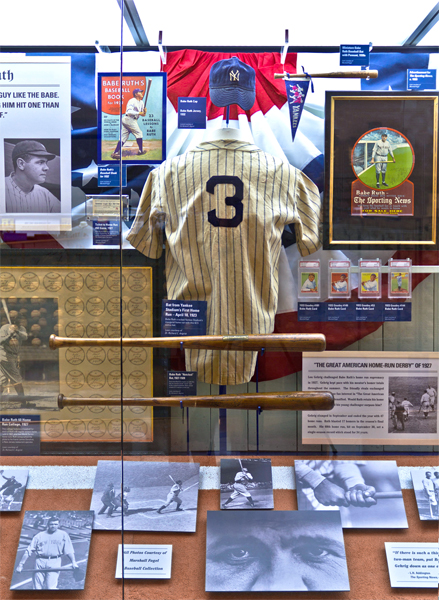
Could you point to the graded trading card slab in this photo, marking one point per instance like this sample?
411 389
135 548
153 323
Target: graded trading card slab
426 486
78 302
12 487
276 551
53 550
156 496
246 483
366 493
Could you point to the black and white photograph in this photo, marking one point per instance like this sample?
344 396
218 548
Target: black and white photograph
246 484
276 551
426 486
154 496
366 493
12 487
32 183
28 367
413 404
53 550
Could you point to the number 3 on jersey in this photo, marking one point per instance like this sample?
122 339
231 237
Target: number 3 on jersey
235 200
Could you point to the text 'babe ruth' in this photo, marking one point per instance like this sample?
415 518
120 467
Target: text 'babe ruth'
49 546
222 208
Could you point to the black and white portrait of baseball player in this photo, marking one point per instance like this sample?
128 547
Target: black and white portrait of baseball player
12 487
146 496
53 550
426 486
276 551
29 371
32 183
246 483
367 493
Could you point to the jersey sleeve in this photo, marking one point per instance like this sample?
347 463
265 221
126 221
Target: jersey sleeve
307 214
146 234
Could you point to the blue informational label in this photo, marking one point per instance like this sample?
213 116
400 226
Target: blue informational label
109 176
311 311
182 383
397 311
421 79
371 312
340 311
192 113
20 435
183 317
106 233
354 55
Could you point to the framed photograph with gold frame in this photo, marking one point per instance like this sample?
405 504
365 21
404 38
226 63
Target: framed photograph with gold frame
381 170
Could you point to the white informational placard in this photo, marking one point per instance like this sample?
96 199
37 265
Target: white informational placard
35 130
386 398
144 562
413 565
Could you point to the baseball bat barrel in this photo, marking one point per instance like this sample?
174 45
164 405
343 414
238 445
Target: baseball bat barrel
265 401
292 342
332 75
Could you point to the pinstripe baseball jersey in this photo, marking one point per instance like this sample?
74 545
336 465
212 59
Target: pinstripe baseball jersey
38 200
222 208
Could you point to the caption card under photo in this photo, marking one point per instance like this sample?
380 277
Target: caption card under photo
144 562
413 565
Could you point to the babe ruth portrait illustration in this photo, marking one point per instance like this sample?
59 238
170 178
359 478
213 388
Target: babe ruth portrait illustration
339 283
13 485
309 283
154 496
135 109
369 282
32 183
367 493
382 158
53 550
276 551
399 282
246 484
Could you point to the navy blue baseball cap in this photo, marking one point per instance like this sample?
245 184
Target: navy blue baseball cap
31 147
137 91
232 82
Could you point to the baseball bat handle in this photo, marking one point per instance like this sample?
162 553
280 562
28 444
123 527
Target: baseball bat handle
288 342
265 401
332 75
383 495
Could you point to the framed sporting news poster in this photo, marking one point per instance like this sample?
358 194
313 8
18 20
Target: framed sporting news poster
381 170
80 302
139 138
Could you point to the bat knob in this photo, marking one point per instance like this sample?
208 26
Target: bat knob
61 401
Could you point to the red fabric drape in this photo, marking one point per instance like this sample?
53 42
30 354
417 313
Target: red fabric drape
188 75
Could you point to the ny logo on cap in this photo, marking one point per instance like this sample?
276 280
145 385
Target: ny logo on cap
234 76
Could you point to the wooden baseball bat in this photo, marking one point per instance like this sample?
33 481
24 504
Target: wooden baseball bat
332 75
265 401
147 91
5 308
292 342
